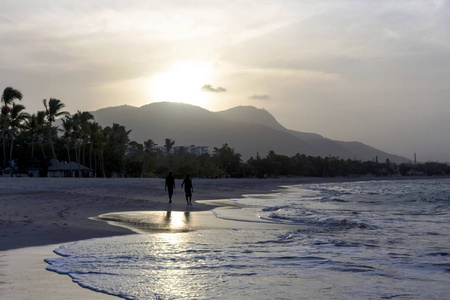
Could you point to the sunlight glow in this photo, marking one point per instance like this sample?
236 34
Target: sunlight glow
176 220
182 82
171 250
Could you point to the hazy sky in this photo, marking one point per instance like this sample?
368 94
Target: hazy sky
372 71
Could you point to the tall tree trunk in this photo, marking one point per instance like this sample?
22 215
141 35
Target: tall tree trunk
95 166
53 149
69 158
68 152
4 142
84 152
81 159
78 153
143 168
12 145
90 154
51 144
43 153
32 153
102 165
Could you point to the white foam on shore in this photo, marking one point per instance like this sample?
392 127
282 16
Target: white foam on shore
357 244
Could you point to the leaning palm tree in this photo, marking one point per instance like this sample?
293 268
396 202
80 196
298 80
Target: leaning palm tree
8 97
52 111
17 118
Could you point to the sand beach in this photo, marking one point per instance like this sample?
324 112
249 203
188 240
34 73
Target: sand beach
39 214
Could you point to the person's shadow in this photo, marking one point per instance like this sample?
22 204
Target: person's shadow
175 220
167 218
187 216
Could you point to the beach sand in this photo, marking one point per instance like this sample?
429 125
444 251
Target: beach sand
39 214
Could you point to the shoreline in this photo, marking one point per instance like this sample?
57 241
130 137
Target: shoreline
45 211
40 214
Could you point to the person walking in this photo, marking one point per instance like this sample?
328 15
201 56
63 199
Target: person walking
170 185
188 189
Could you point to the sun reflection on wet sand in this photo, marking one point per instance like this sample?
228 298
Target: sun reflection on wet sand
177 256
178 264
154 221
176 219
182 221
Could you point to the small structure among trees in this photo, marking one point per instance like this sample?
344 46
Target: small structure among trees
68 169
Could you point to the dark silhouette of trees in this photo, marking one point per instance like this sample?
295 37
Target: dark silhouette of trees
110 153
168 143
226 159
148 151
116 141
35 126
9 96
95 137
68 134
133 159
52 111
16 121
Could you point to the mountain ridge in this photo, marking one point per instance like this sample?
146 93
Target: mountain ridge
247 129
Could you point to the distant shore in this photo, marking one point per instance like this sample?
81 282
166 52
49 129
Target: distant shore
39 214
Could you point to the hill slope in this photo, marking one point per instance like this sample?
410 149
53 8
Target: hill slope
246 129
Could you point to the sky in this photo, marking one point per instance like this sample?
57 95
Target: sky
352 70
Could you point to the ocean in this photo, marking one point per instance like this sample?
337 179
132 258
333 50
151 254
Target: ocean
353 240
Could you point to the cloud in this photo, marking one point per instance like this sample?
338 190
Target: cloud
210 89
259 97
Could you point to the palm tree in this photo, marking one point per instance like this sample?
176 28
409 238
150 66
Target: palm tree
8 97
148 147
17 117
85 117
52 111
94 132
41 131
102 139
81 135
115 147
169 144
67 124
34 126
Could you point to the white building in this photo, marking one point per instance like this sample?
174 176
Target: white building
197 150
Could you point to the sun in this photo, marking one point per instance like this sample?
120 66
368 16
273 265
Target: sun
182 82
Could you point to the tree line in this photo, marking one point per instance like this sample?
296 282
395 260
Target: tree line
34 141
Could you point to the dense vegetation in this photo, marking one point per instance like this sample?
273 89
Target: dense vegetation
32 142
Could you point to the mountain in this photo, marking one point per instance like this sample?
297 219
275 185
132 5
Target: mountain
245 128
322 146
251 114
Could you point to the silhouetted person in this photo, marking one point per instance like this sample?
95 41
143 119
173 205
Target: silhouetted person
188 189
170 185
